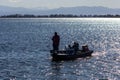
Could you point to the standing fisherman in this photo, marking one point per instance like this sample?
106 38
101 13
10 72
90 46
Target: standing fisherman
56 41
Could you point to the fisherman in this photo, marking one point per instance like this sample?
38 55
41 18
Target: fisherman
56 41
69 50
75 47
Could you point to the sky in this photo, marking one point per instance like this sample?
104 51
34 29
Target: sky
59 3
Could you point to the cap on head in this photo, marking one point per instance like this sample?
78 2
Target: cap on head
55 33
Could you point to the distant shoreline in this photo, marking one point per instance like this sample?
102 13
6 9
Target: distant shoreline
59 16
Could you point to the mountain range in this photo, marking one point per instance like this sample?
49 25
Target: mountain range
80 10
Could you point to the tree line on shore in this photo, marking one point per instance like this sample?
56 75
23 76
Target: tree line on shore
58 16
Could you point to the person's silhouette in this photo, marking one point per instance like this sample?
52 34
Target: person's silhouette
56 41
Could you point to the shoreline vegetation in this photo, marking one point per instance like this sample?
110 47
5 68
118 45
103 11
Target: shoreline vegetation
59 16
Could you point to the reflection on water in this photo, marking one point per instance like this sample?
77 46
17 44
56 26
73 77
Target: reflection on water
25 45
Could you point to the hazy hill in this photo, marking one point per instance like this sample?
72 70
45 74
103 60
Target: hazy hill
82 10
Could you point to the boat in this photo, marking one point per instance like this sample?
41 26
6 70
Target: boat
64 55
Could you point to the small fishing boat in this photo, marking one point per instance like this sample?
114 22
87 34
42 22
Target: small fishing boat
64 55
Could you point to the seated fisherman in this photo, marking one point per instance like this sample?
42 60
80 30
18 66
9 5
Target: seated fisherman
69 50
75 47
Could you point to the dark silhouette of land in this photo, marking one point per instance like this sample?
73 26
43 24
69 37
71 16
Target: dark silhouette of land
59 16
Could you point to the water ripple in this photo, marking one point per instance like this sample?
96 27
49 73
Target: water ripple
25 45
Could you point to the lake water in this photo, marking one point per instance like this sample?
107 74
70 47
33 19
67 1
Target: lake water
25 45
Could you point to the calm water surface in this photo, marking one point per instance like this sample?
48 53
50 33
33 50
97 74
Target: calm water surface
25 45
